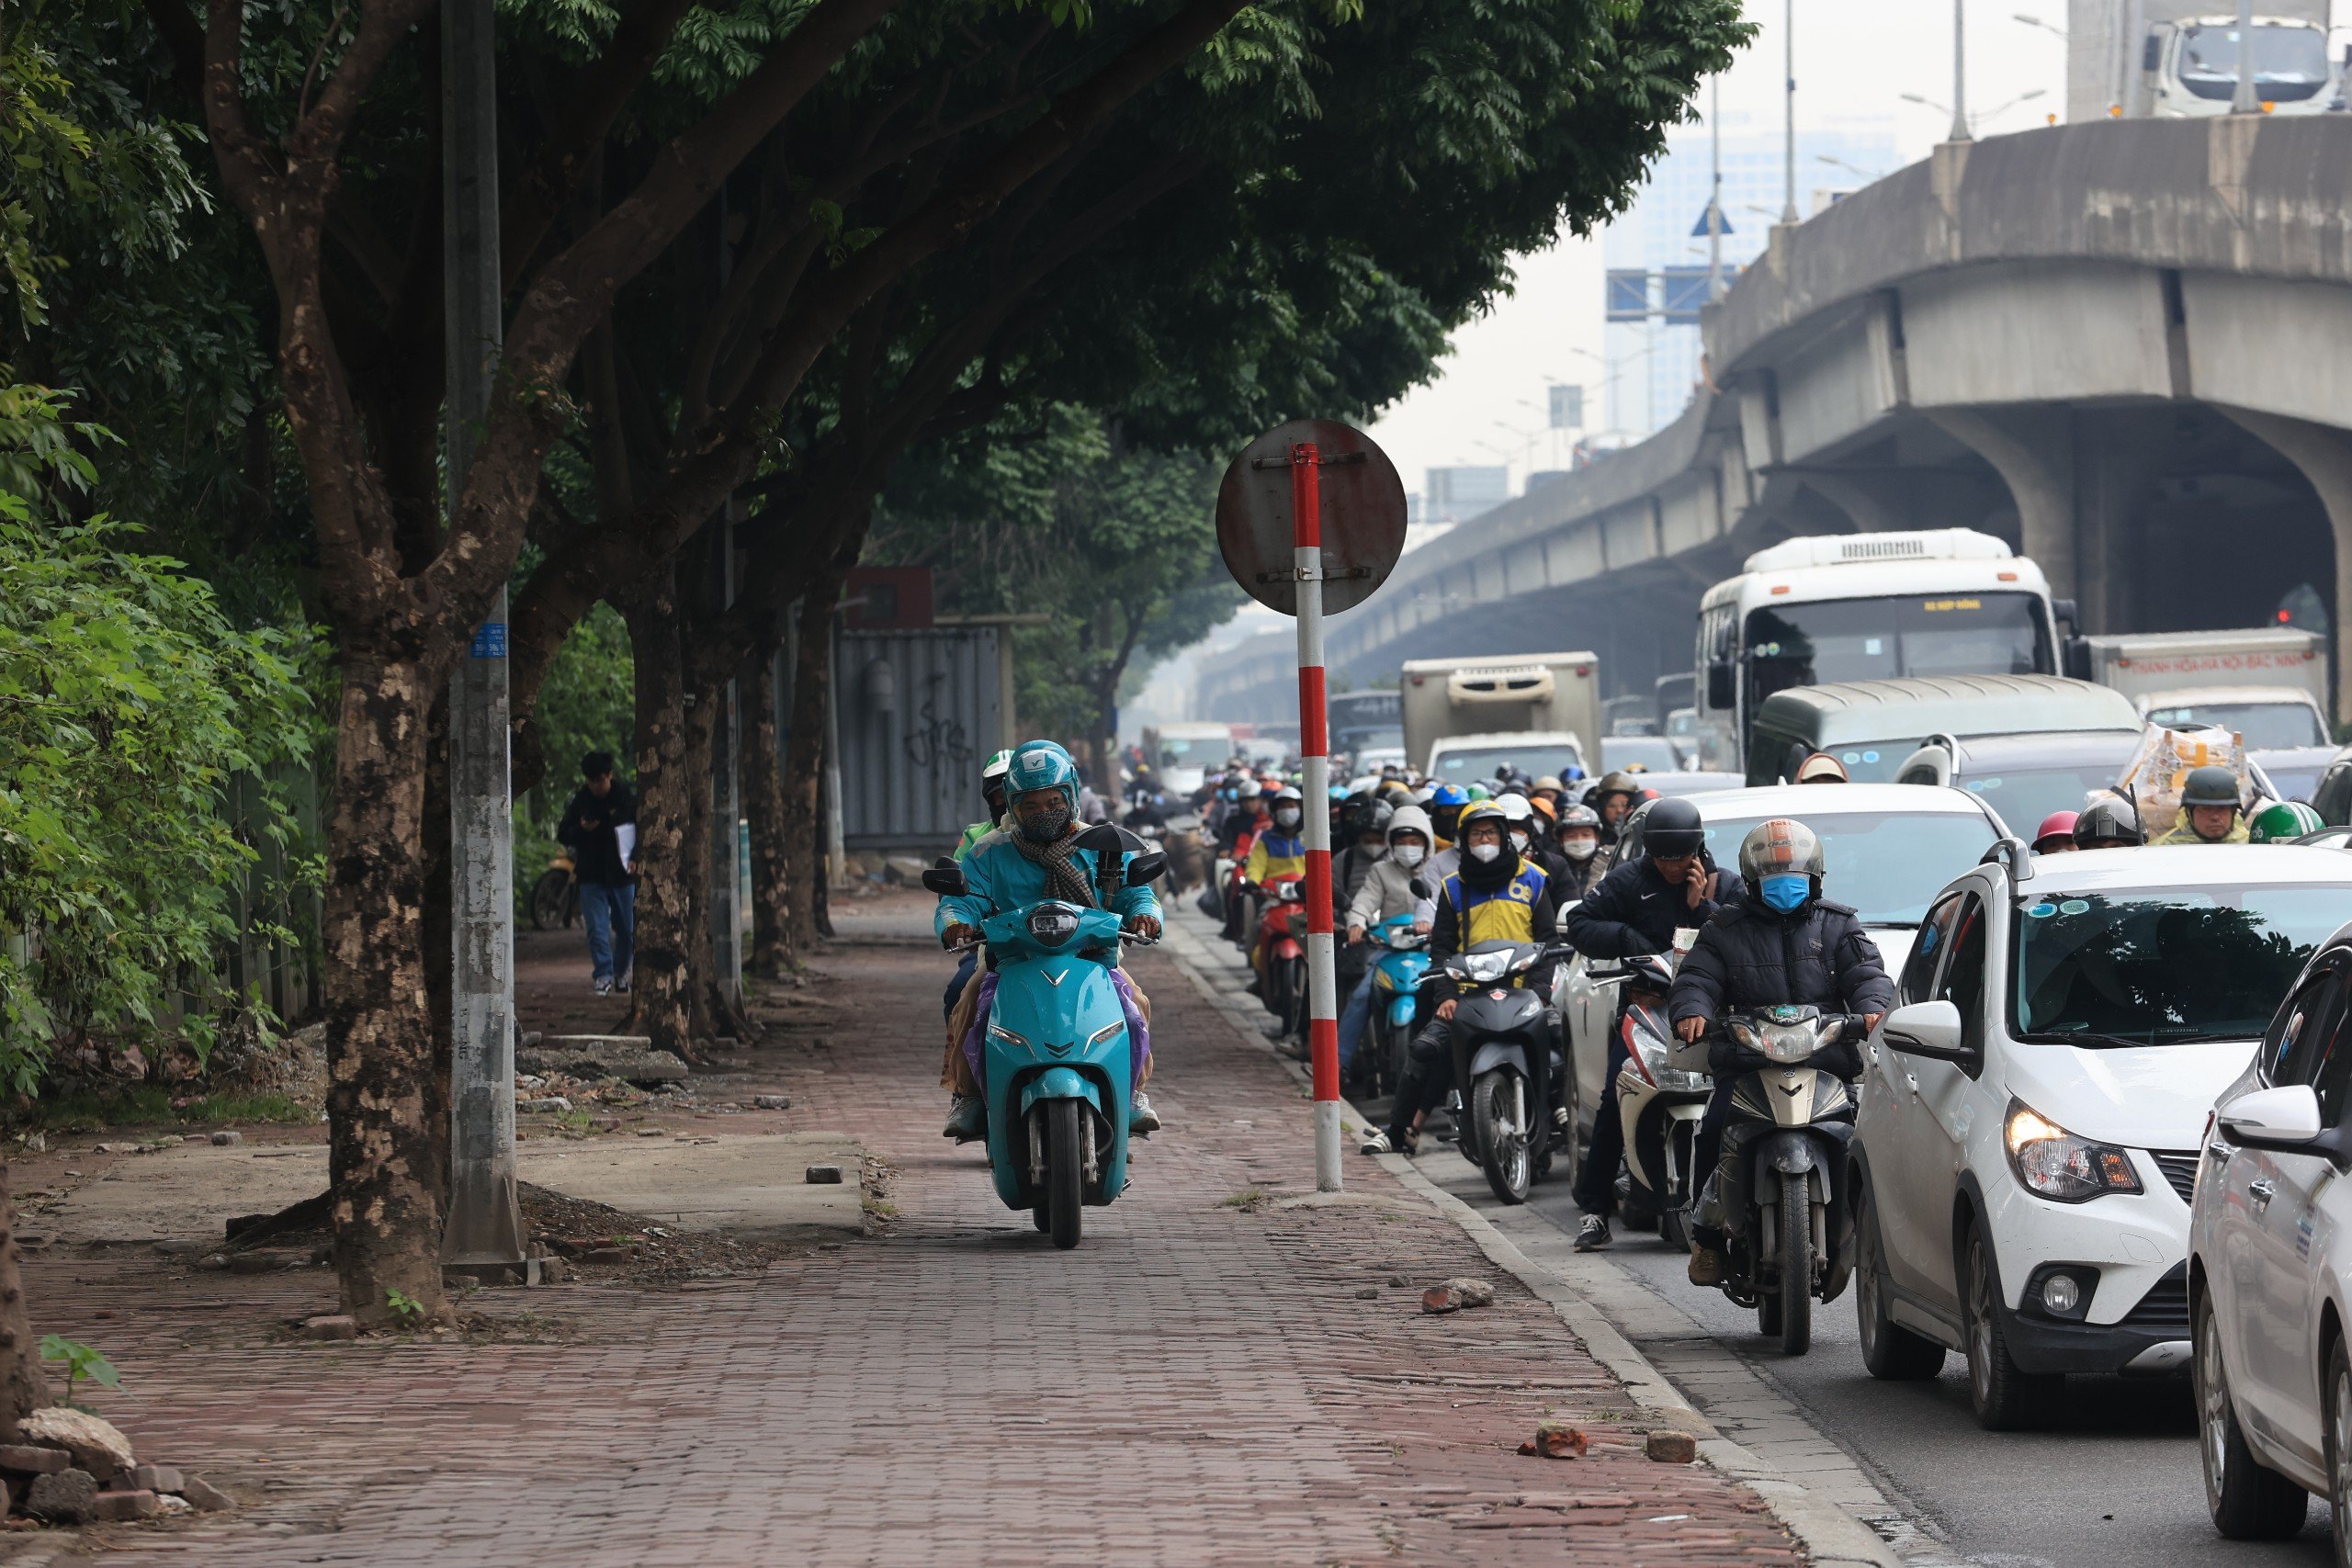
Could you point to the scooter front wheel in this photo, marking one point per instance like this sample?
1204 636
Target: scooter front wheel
1502 1136
1796 1268
1064 1177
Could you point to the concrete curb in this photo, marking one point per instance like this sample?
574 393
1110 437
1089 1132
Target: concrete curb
1828 1534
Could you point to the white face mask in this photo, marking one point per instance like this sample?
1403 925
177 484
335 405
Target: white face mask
1408 855
1286 819
1486 852
1579 849
1519 840
1372 850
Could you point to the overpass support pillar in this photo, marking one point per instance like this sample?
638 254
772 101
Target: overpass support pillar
2324 455
2034 453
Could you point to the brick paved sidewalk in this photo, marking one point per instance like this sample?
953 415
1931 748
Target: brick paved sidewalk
1203 1381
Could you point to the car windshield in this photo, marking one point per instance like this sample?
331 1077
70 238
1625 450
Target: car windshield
2261 725
2025 796
1870 640
2164 966
1889 865
2290 62
1473 763
1654 751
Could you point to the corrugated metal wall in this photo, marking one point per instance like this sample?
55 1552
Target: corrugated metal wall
918 714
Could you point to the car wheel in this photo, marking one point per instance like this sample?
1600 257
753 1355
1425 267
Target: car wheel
2339 1451
1890 1351
2007 1398
2248 1502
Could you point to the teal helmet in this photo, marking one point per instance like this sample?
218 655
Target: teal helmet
1041 764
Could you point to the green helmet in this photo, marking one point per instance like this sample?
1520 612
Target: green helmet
1476 791
2282 822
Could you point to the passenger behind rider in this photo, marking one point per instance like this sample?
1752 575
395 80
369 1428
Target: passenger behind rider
1033 857
1386 891
1781 943
1636 909
2108 822
1493 897
992 791
1250 815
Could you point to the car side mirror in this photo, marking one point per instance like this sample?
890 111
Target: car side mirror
1146 868
945 880
2151 53
1928 1028
2285 1119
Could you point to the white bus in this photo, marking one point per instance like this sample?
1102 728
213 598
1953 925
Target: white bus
1862 608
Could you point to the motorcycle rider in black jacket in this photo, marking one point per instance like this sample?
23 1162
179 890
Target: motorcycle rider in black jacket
1782 943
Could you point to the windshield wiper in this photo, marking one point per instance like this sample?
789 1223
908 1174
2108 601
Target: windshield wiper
2088 1037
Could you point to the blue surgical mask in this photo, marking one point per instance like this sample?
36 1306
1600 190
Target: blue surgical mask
1786 890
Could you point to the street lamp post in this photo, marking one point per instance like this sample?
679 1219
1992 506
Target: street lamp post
1959 71
2244 100
1789 111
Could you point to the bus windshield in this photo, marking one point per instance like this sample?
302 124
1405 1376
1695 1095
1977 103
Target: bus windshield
1871 640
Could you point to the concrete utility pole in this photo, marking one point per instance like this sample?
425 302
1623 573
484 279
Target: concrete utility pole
484 1231
1789 111
2244 100
1959 71
1715 187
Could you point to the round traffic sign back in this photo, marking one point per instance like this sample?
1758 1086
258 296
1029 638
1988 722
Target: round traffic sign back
1364 516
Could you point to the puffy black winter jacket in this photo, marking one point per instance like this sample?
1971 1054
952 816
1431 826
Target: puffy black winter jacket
1749 957
1633 910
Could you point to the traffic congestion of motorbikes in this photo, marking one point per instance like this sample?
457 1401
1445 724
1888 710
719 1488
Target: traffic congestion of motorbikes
1916 951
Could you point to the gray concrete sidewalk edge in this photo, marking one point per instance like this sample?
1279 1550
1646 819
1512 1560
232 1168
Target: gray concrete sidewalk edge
1828 1534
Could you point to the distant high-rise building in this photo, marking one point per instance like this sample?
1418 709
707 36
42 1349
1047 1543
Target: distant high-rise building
1653 364
1458 494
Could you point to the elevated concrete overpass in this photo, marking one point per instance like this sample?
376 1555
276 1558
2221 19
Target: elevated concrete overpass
2124 346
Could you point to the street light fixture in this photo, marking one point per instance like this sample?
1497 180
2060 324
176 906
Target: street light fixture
1851 168
2038 22
1983 115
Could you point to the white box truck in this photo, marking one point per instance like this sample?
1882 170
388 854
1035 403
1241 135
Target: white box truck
2267 684
1523 701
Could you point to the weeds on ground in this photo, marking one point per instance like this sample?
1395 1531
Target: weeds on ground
81 1361
84 1111
408 1309
1250 1200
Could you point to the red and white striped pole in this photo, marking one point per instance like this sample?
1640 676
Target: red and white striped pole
1322 986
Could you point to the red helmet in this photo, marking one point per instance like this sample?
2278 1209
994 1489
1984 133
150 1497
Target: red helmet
2056 828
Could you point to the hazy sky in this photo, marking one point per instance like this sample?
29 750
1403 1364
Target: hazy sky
1854 58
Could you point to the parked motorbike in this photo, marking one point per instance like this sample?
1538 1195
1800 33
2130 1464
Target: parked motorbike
1054 1071
555 898
1396 987
1511 1043
1659 1105
1779 1188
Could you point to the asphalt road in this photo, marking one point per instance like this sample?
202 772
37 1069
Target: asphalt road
2113 1479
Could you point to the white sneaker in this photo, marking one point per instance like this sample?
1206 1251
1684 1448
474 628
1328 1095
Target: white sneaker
604 984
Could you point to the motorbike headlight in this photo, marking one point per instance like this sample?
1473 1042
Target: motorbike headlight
2052 1163
1103 1033
1674 1080
999 1033
1785 1042
1054 924
1486 967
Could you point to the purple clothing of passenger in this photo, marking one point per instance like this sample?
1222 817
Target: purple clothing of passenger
1138 1032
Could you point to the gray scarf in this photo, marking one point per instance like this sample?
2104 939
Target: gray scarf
1064 880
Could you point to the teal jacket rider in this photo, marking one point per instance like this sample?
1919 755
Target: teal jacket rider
998 878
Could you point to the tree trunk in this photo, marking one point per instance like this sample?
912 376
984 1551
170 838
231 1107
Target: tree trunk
804 826
694 855
385 1149
22 1386
440 947
772 951
662 996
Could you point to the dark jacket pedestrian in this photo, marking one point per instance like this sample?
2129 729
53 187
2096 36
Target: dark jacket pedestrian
1634 910
1748 956
589 829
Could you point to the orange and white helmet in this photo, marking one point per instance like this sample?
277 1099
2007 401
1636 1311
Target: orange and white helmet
1779 846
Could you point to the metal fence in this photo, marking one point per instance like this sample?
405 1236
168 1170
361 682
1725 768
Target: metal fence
916 713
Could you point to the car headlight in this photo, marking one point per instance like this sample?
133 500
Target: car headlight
2052 1163
998 1031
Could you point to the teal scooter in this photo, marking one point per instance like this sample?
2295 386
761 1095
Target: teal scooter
1054 1071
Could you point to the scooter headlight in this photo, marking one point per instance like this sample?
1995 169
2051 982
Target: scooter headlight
1674 1080
1103 1033
1486 968
1002 1035
1053 924
1788 1043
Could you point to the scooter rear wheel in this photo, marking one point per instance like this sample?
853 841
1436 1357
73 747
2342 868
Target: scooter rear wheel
1064 1177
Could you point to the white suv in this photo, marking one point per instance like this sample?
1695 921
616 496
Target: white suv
2268 1257
2029 1113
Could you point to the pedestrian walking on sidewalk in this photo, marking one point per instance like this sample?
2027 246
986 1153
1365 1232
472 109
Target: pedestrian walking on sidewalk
599 828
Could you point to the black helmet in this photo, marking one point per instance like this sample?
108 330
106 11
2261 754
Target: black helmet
1671 826
2109 823
1363 813
2209 786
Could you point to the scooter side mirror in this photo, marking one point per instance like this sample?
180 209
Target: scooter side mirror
945 880
1103 838
1419 889
1146 868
